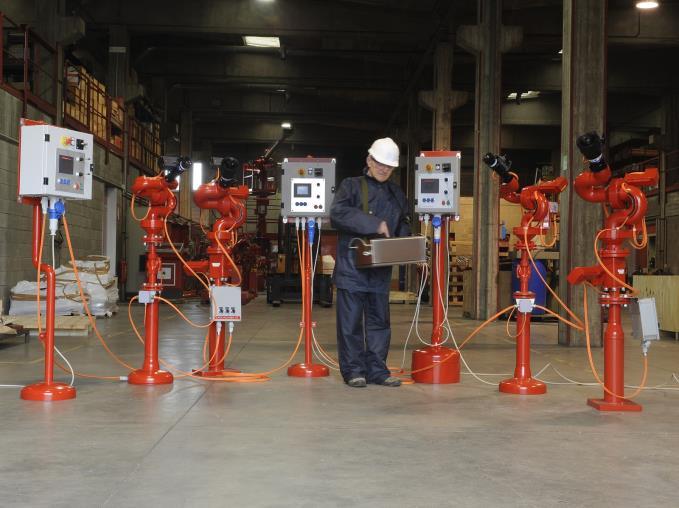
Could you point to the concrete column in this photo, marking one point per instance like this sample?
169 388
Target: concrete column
442 100
117 70
583 109
186 150
487 40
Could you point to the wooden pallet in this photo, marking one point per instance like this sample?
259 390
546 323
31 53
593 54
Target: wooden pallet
63 325
402 297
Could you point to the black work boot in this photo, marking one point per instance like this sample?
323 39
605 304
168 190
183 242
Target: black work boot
391 381
357 382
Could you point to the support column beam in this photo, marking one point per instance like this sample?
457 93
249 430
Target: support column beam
487 40
583 110
442 100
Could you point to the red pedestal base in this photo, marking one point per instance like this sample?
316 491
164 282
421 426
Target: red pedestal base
447 372
526 386
308 370
48 392
142 377
216 373
623 405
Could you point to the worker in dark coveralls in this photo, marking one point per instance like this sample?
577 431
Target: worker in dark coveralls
363 327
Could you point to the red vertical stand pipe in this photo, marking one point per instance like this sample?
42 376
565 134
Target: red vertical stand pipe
161 204
48 390
230 203
523 382
445 361
628 205
308 368
535 208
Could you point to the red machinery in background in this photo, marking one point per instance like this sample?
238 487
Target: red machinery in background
158 191
624 218
535 207
222 195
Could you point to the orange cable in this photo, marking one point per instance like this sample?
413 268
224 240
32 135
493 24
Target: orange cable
560 318
134 216
176 252
633 291
591 360
82 297
462 344
224 251
530 256
181 314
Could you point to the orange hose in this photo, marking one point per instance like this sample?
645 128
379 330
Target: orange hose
462 344
530 256
225 252
181 258
134 216
591 360
633 291
181 314
560 318
82 297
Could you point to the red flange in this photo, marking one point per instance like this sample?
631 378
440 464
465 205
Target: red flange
154 377
619 405
48 392
523 386
441 365
308 370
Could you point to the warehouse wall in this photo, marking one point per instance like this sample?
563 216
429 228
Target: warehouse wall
86 219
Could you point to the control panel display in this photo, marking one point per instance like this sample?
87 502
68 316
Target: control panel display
302 190
307 186
55 162
437 187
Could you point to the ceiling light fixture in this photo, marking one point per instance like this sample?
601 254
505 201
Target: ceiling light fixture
647 5
259 41
286 126
530 94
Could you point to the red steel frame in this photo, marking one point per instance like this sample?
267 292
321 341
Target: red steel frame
230 203
628 204
535 209
161 204
445 361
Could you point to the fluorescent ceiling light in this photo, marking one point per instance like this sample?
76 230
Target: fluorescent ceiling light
561 51
647 5
530 94
286 125
259 41
196 175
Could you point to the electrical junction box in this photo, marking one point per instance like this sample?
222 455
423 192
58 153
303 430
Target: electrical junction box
645 320
307 187
55 162
437 183
225 303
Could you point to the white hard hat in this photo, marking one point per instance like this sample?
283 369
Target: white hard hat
385 151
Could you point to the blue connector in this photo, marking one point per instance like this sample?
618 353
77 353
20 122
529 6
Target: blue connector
311 230
57 211
436 222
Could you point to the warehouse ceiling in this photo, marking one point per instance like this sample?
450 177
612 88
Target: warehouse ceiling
347 69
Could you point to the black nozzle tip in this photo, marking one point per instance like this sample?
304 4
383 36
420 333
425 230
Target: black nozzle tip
490 159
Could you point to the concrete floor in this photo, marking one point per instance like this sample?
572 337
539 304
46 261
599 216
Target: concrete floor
309 443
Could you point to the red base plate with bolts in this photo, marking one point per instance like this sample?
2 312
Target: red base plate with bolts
142 377
623 405
44 392
308 370
447 372
216 373
526 386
